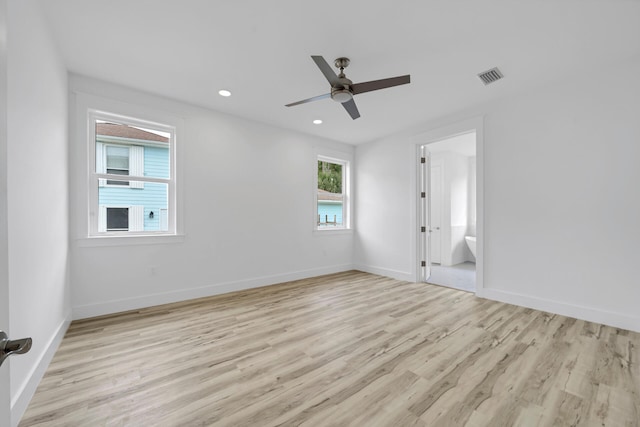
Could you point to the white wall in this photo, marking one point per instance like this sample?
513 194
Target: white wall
248 203
561 205
37 196
385 209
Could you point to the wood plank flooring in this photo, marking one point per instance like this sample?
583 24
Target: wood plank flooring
349 349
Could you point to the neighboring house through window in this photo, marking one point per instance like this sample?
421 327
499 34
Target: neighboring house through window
117 160
142 152
117 219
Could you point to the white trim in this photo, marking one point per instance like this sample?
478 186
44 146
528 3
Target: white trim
129 239
331 231
617 320
24 395
82 163
346 160
387 272
116 306
88 114
102 218
100 162
129 178
445 132
345 192
423 206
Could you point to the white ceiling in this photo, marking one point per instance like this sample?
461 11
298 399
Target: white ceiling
260 50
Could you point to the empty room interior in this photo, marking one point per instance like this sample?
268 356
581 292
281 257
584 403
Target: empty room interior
349 213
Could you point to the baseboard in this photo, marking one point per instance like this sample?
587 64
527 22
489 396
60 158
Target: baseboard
21 402
631 323
387 272
117 306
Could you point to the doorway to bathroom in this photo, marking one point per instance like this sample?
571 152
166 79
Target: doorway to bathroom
449 211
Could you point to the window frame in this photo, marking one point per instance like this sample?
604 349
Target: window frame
346 161
95 178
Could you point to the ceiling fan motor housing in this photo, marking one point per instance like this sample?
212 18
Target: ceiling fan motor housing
341 92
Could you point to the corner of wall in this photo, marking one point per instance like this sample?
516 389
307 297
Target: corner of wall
21 401
387 272
150 300
589 314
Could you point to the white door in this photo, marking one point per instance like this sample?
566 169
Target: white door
5 396
435 210
5 393
424 258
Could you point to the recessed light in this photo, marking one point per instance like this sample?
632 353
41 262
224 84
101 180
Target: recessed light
224 92
317 122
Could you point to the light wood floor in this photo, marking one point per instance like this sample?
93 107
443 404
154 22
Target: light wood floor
345 349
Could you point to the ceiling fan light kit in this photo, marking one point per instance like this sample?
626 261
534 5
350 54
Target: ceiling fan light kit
341 95
343 89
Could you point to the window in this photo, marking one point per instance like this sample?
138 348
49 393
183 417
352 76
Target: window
332 201
143 152
117 162
120 159
117 219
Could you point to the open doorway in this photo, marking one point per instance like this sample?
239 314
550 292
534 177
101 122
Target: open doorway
450 211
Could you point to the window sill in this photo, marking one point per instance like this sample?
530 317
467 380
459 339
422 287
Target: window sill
332 231
96 241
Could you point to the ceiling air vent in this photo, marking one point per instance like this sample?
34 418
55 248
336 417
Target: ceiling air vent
490 76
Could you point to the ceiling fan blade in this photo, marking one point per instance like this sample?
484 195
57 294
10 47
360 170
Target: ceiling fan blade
326 69
315 98
380 84
351 108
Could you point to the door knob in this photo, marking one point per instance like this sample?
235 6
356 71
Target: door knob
9 347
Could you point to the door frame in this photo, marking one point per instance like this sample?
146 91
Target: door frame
474 124
424 214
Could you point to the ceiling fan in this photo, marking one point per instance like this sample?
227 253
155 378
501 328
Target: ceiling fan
343 89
